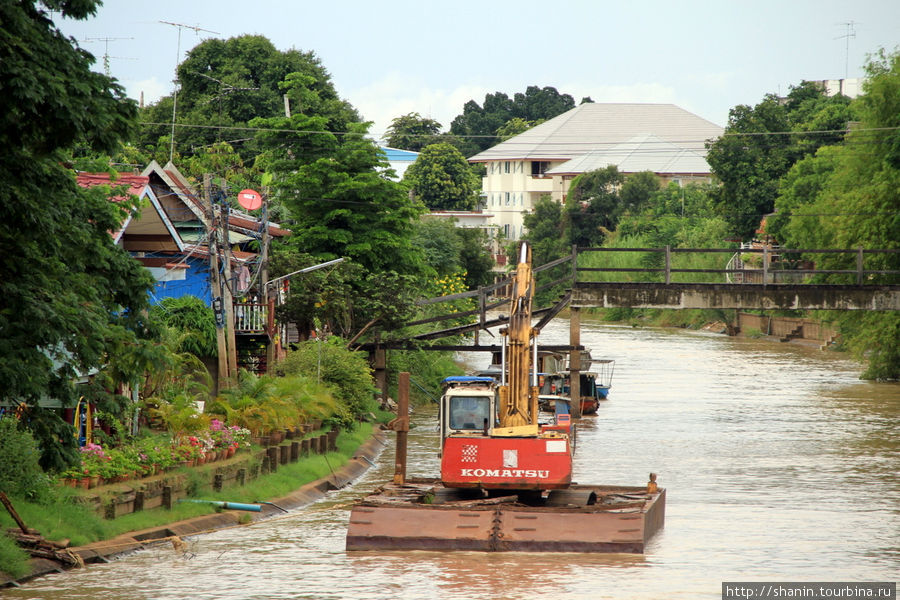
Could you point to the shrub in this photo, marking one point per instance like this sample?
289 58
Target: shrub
20 471
330 362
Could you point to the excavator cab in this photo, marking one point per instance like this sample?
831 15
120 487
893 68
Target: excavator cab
468 406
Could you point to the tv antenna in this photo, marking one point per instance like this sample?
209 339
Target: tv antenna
197 30
106 56
850 34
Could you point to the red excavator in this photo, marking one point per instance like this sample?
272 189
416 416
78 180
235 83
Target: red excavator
491 438
505 480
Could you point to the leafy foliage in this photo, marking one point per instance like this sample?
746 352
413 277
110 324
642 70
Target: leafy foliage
547 235
194 319
230 82
412 132
593 206
330 362
20 471
72 298
757 150
481 123
442 180
340 204
845 196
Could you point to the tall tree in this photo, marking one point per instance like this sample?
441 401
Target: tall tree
72 299
478 125
846 197
412 132
546 232
637 190
226 83
442 179
762 142
593 206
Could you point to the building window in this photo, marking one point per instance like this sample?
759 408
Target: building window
539 167
506 167
507 198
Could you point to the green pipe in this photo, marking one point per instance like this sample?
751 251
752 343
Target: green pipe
229 505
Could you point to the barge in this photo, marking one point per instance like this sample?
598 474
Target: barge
422 514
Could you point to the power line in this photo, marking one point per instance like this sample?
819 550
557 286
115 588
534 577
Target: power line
560 143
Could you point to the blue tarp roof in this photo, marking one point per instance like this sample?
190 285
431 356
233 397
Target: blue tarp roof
397 155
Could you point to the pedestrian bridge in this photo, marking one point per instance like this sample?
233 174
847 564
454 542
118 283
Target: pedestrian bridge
750 278
684 278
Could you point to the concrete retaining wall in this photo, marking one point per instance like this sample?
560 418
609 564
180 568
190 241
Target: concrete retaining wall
785 327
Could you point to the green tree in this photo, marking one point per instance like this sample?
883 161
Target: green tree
442 180
545 230
321 299
478 125
637 190
438 238
450 249
761 143
514 127
475 256
73 300
227 83
846 197
412 132
593 206
194 319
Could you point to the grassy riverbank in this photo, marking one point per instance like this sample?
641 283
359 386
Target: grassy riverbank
659 317
67 518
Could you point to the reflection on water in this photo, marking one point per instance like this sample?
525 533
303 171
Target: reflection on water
779 464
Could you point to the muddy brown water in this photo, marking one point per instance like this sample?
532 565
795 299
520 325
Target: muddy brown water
779 465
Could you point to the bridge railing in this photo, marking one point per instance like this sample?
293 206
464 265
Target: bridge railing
742 266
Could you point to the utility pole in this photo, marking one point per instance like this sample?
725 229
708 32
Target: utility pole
180 26
267 294
227 297
215 281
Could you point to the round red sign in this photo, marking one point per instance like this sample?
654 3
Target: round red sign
250 199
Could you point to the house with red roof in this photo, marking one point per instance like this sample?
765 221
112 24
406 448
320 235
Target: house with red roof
147 234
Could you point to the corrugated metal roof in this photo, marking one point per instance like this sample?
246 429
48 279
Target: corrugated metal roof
640 153
595 126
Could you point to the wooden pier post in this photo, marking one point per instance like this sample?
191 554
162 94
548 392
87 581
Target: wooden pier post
575 361
401 426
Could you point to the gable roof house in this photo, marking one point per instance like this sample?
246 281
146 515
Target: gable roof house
148 234
190 218
662 138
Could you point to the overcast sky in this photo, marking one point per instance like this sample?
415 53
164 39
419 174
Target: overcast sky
398 56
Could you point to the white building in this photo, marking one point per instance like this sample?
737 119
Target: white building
662 138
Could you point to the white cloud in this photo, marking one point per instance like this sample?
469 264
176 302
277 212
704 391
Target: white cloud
397 94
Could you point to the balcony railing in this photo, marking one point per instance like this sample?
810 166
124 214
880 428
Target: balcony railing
250 317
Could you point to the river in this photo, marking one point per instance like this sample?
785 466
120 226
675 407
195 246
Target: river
779 465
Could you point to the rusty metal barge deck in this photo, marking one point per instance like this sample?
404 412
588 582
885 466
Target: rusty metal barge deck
421 514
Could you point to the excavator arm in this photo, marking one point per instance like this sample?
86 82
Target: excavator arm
518 395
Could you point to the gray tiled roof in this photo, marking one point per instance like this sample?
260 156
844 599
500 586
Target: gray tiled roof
595 126
640 153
